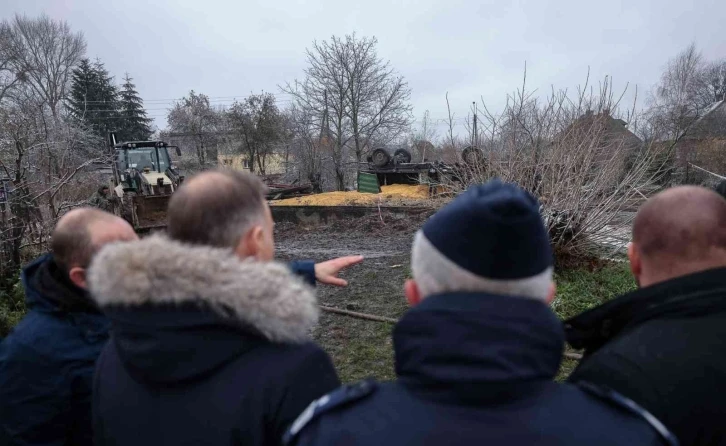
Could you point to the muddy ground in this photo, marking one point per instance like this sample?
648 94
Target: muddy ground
362 348
359 348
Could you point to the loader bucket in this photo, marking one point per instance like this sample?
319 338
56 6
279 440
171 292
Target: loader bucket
150 211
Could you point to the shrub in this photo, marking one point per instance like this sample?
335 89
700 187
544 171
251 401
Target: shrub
576 155
12 307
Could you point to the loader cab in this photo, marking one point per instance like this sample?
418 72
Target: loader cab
143 157
153 155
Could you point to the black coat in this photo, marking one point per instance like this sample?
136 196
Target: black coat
473 369
663 346
205 349
47 362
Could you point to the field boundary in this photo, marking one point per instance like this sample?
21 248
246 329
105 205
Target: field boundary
326 214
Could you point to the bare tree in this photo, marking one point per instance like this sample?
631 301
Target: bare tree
354 96
423 138
688 86
44 52
378 98
260 127
715 79
9 76
193 119
307 145
323 96
44 155
450 123
44 161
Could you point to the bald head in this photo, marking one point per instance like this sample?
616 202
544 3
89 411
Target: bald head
216 208
678 232
80 233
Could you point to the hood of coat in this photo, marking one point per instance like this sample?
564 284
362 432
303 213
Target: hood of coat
693 295
478 346
179 310
48 289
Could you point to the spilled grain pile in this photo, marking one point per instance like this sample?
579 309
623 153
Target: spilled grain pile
396 194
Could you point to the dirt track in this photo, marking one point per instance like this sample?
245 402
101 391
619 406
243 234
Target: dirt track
359 348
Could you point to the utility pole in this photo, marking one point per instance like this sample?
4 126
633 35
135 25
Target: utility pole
324 124
324 133
475 135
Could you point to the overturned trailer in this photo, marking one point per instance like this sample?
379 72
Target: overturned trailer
384 169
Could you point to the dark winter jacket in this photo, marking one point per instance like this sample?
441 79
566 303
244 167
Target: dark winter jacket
206 349
473 369
663 346
102 201
47 362
721 188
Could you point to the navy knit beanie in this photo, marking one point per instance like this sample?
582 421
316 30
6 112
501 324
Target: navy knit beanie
493 230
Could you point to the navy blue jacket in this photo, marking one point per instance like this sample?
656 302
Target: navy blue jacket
46 363
205 349
474 369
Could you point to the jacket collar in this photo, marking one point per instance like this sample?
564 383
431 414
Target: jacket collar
694 294
48 289
159 272
474 346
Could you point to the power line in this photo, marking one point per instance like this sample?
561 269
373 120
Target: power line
210 98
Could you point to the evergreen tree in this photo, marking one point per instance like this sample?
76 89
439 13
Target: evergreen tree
135 125
93 98
83 85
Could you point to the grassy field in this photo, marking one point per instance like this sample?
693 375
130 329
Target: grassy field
580 289
363 349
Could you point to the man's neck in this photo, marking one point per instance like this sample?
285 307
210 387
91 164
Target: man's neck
660 275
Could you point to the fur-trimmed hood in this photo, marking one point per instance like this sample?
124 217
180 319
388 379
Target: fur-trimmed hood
157 271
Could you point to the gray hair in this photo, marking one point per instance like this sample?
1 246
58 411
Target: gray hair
434 273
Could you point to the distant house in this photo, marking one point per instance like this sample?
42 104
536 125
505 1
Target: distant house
609 138
701 149
274 163
613 132
236 162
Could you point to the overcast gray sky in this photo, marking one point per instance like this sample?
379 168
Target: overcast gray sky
470 48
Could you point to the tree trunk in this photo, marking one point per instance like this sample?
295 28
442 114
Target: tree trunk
358 149
340 179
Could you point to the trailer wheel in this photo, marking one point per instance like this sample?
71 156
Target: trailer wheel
380 158
402 156
472 156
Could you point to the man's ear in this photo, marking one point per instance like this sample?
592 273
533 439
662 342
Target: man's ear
552 293
78 277
636 263
251 243
412 292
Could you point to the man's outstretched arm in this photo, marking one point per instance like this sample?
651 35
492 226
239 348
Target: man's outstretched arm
324 272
